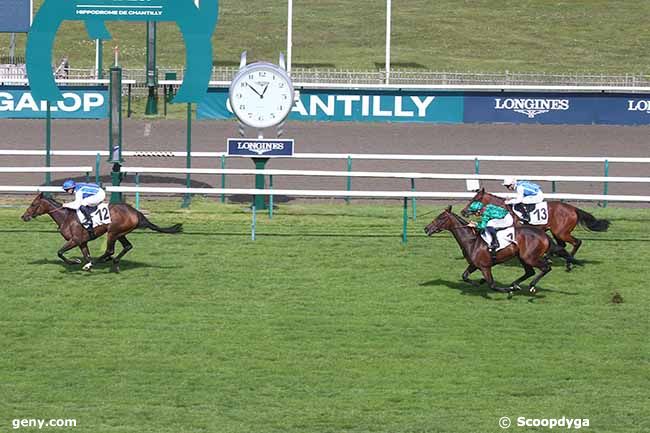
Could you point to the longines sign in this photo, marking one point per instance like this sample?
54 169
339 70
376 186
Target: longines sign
196 23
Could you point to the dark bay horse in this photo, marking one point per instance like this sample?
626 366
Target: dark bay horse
532 248
124 219
562 219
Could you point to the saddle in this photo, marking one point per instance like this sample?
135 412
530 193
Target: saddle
99 216
505 237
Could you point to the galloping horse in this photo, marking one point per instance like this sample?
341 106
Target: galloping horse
532 247
562 219
124 219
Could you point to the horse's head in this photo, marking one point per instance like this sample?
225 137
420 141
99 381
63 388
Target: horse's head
444 221
39 206
480 196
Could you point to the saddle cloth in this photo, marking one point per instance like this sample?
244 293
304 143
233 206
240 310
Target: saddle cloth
505 237
538 216
100 215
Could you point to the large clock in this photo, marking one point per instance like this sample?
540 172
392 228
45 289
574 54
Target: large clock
261 95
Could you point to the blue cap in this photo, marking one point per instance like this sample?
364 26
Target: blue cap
69 184
475 206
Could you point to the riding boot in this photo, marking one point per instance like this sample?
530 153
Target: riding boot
494 244
523 209
88 225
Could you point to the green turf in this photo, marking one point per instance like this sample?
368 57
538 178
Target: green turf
326 323
583 36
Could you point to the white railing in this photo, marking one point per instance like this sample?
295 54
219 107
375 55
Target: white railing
343 156
378 174
85 169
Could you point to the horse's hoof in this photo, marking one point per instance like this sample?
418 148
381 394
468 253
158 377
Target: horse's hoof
532 290
510 295
515 287
75 261
87 267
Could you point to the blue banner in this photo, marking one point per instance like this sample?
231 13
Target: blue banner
15 16
356 106
557 108
259 147
77 103
453 107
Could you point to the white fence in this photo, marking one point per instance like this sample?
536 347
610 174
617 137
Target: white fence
138 189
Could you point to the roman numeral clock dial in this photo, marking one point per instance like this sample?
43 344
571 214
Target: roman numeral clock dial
261 95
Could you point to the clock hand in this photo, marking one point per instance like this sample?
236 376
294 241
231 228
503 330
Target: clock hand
264 91
254 90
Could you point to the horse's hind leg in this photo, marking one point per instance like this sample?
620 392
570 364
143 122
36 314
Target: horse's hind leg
67 247
110 249
126 247
545 268
528 272
562 238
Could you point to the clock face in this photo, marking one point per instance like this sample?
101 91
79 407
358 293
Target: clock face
261 95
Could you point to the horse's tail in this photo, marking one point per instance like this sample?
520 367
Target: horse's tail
144 223
590 222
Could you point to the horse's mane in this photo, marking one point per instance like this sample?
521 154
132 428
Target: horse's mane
52 201
459 218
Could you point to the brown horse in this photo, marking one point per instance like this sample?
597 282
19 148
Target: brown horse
532 247
124 219
562 219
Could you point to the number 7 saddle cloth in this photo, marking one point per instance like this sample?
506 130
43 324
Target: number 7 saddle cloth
504 236
100 215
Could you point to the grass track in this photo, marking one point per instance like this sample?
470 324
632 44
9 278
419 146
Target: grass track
326 323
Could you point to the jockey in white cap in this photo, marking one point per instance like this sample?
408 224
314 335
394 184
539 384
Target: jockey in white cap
528 195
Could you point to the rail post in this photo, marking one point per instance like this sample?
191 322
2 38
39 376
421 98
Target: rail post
115 130
98 164
413 201
187 198
349 179
477 166
48 143
405 218
271 197
606 184
254 220
137 193
223 177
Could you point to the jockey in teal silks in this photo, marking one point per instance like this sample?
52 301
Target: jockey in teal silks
86 196
493 218
528 195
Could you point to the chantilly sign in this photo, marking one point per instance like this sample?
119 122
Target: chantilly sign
196 23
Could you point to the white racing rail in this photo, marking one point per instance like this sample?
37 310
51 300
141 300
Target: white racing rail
46 169
378 174
360 194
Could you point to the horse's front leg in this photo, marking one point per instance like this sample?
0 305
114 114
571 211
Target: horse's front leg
67 247
471 268
86 252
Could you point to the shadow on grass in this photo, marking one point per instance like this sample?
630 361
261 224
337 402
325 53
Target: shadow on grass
483 290
125 265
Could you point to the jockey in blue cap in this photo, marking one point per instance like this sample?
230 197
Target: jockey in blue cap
86 195
528 195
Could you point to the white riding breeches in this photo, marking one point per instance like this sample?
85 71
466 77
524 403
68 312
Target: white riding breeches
530 199
502 223
92 200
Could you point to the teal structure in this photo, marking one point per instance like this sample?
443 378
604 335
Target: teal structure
195 24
